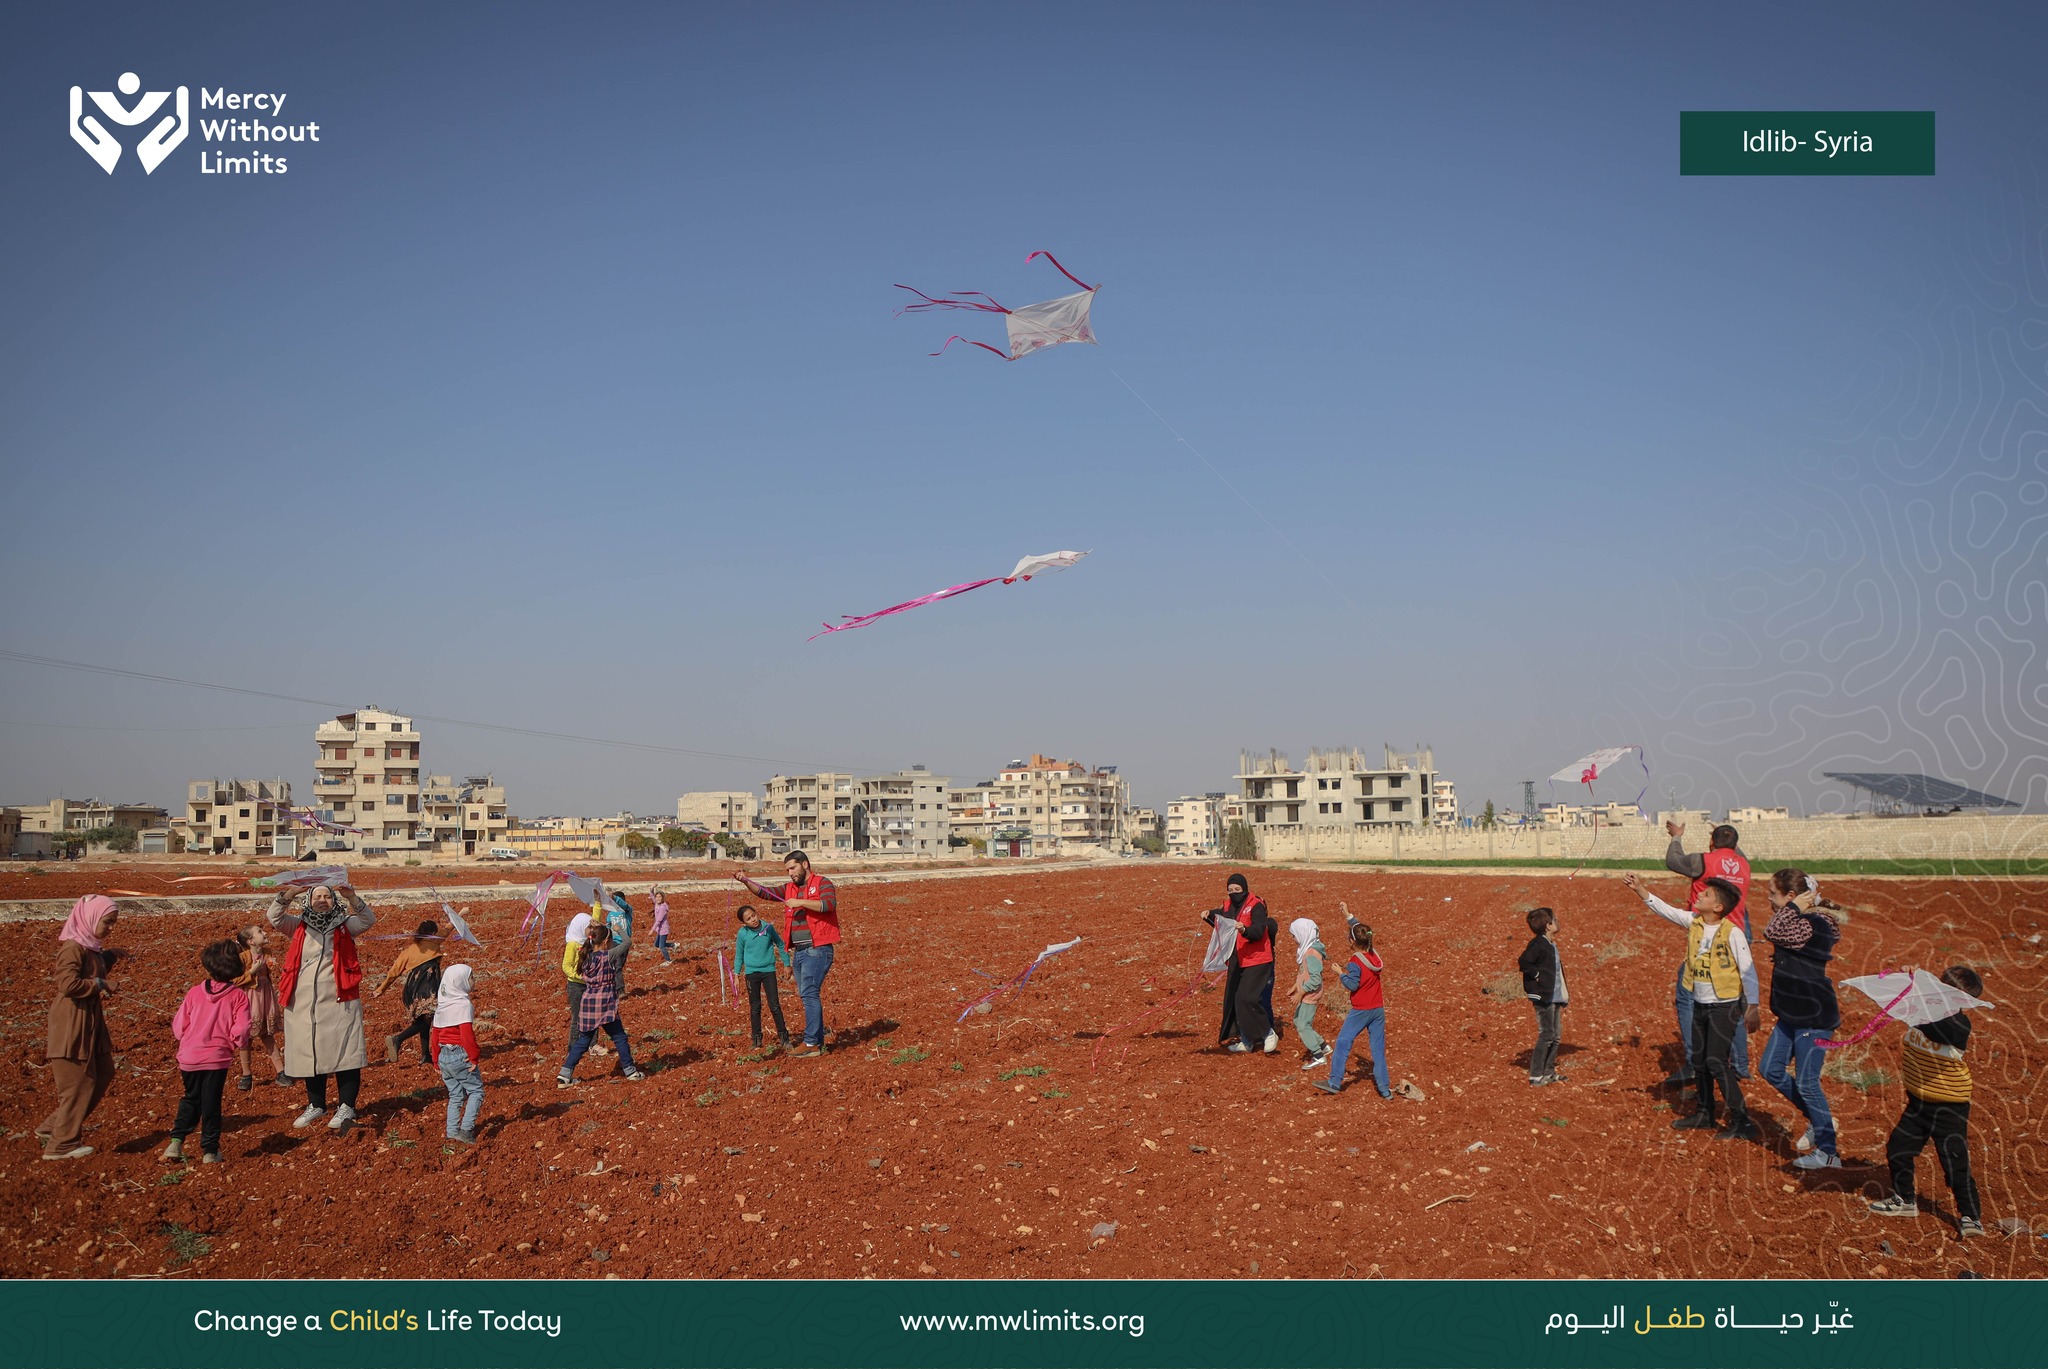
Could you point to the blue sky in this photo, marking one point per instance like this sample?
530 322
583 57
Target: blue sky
558 384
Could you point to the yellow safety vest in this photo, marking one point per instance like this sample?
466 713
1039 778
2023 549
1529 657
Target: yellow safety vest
1716 964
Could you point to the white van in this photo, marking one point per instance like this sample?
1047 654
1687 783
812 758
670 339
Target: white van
502 853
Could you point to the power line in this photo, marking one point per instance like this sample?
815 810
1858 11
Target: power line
58 663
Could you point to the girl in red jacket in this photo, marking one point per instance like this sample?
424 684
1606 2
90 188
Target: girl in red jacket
1368 1011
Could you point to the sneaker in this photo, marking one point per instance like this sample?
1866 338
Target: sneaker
391 1049
1556 1078
175 1151
284 1081
563 1081
1326 1086
636 1075
1740 1128
786 1042
1316 1062
466 1135
313 1113
1895 1206
1819 1159
1272 1042
344 1118
245 1082
1238 1048
1805 1141
211 1157
757 1043
1698 1121
1969 1226
75 1153
807 1053
1676 1081
1537 1081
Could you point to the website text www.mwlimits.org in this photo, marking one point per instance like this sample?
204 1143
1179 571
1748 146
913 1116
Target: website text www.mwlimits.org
1029 1320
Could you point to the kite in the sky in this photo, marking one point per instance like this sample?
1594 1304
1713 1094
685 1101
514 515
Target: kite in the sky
1598 766
1026 568
1032 327
1914 999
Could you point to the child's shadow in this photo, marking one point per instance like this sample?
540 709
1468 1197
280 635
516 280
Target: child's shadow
855 1036
677 1059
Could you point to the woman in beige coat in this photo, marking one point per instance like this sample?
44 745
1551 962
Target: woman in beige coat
320 985
80 1052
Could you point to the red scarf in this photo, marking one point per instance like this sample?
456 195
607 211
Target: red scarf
348 971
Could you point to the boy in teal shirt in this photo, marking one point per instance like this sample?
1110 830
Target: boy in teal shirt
755 950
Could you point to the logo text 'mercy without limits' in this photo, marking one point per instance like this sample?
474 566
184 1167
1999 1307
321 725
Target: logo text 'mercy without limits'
158 144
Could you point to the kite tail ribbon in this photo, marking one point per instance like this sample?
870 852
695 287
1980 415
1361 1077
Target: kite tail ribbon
1059 268
971 343
866 618
992 307
1873 1026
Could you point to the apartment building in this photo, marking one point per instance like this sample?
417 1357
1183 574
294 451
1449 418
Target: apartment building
717 810
970 811
1738 816
902 814
1591 814
1061 804
241 818
465 818
368 774
40 822
815 812
1194 826
1338 789
1143 822
1443 802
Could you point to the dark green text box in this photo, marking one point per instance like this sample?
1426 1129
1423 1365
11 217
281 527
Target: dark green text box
1885 142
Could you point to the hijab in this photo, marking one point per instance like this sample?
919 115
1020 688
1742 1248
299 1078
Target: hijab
319 920
579 928
1240 889
83 926
452 1008
1305 934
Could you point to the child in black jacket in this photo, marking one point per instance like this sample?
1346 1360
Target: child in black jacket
1543 981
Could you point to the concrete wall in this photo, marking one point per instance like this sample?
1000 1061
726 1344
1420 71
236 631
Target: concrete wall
1957 837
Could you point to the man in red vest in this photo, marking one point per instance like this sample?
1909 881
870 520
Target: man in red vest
812 935
1722 860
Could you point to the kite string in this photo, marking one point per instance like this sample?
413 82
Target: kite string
1227 484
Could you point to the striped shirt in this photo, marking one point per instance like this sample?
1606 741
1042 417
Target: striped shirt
1933 1061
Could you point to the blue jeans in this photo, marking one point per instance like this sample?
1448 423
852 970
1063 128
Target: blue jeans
812 964
465 1088
1373 1022
1738 1053
1801 1047
661 943
581 1042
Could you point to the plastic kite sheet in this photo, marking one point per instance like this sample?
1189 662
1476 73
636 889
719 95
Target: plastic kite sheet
1914 999
1031 328
1588 769
1222 945
1017 981
313 877
1024 570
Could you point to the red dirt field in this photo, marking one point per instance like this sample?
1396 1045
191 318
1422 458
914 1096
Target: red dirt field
994 1148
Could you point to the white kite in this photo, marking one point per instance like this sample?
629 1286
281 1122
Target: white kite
314 876
1025 569
1915 999
1031 328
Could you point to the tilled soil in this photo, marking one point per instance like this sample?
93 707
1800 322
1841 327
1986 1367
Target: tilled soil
1037 1139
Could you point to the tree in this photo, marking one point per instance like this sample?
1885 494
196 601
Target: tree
732 844
1486 819
1240 842
674 839
639 843
1151 845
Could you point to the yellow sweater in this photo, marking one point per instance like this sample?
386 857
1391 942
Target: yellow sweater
1934 1071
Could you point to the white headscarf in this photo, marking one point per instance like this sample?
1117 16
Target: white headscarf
1305 934
579 928
452 1008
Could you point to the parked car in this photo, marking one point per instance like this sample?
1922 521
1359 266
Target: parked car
502 853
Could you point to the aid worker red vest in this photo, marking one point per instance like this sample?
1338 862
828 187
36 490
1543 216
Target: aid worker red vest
1260 952
1367 994
1731 865
824 925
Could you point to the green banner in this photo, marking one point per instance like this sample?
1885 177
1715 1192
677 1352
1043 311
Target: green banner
1239 1324
1806 143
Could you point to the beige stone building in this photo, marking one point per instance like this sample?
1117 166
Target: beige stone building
902 814
368 773
1062 804
1143 822
41 824
1739 816
1194 826
970 810
734 810
463 818
814 812
1443 808
242 818
1338 789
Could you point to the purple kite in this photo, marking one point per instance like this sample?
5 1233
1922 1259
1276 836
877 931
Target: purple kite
1032 327
1026 568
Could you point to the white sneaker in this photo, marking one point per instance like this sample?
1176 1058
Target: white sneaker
312 1114
1316 1062
1819 1159
344 1117
1805 1141
1272 1042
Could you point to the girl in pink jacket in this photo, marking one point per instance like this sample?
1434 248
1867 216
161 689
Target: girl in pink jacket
212 1028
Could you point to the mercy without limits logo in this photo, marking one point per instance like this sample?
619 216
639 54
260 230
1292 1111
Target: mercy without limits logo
255 133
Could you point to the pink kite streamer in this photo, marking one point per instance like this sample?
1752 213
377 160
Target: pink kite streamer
864 619
1872 1027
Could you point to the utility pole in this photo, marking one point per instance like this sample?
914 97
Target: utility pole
1529 813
